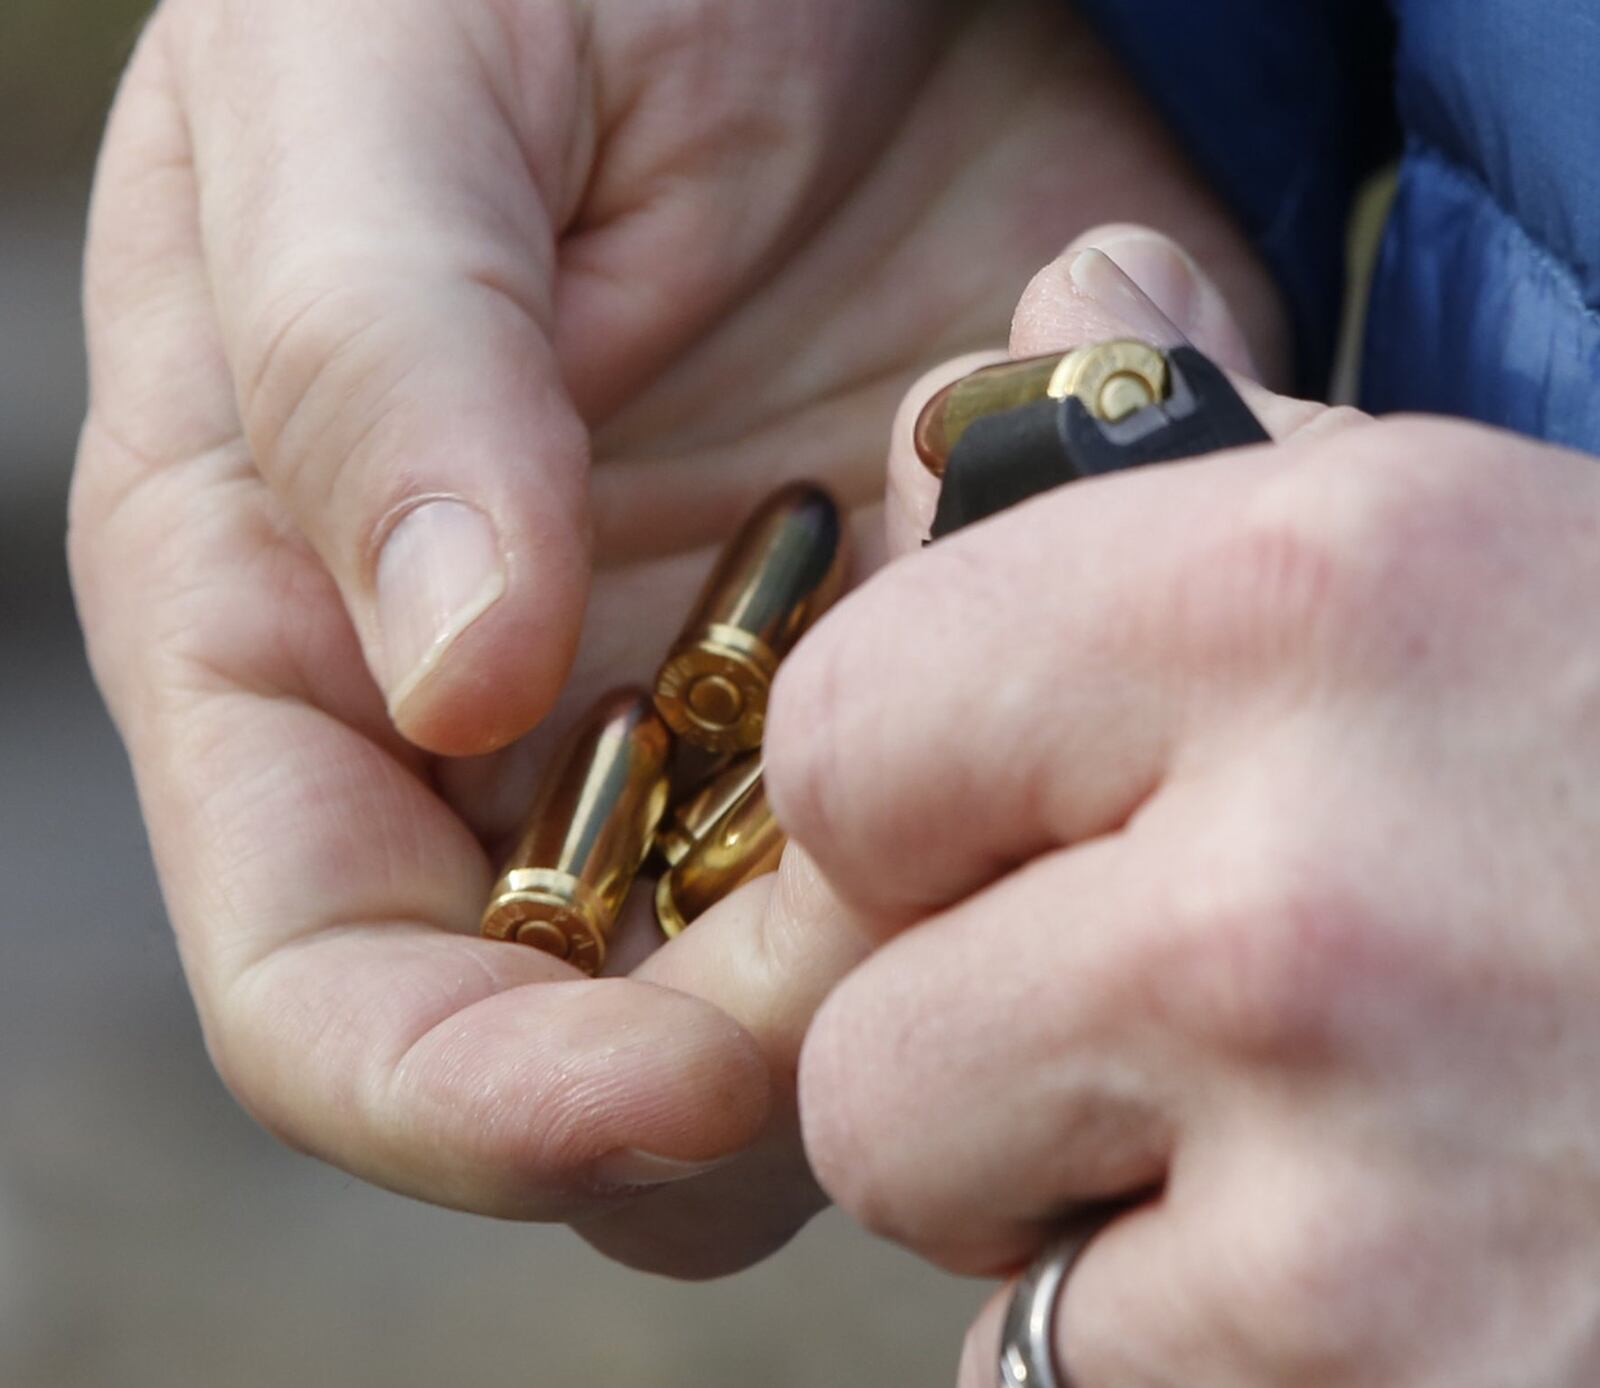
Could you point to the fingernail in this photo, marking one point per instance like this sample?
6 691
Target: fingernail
439 571
1166 273
635 1170
1113 288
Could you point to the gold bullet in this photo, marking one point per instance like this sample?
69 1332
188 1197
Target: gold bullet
780 573
689 821
1113 379
587 834
988 390
744 844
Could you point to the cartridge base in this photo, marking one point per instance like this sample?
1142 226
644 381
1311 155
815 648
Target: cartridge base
1113 379
548 911
713 689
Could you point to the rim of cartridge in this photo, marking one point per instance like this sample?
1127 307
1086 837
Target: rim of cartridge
552 912
733 667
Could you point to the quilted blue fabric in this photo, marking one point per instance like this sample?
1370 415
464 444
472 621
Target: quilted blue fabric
1487 299
1488 288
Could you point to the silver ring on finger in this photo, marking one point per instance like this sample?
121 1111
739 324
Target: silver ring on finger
1027 1339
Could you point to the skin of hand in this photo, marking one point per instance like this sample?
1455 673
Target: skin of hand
1245 811
406 317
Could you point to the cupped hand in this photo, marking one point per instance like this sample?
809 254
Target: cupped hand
368 288
1245 812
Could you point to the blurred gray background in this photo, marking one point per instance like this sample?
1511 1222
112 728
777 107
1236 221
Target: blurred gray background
149 1234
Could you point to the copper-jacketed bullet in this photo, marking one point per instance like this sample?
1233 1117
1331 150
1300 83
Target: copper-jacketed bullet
587 834
780 573
1113 379
742 845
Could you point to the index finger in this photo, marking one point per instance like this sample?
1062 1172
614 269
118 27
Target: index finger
1016 687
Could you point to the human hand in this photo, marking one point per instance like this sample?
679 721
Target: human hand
1245 812
367 286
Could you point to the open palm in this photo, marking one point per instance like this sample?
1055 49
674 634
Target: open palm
369 287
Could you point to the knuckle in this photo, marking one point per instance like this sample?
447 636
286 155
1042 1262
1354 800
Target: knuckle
842 1118
805 718
868 1075
1265 591
1336 419
321 381
847 707
1348 545
1268 949
1307 1278
826 712
1397 495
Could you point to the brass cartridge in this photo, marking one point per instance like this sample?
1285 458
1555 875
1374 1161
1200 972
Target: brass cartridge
690 820
778 575
587 834
1113 379
745 843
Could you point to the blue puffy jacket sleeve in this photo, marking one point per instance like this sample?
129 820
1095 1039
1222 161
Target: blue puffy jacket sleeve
1486 302
1487 299
1284 105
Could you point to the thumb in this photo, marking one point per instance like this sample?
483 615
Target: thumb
1114 281
1128 281
1080 298
383 267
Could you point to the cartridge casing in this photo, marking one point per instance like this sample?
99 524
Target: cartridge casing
989 390
743 844
690 821
778 575
587 835
1113 379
